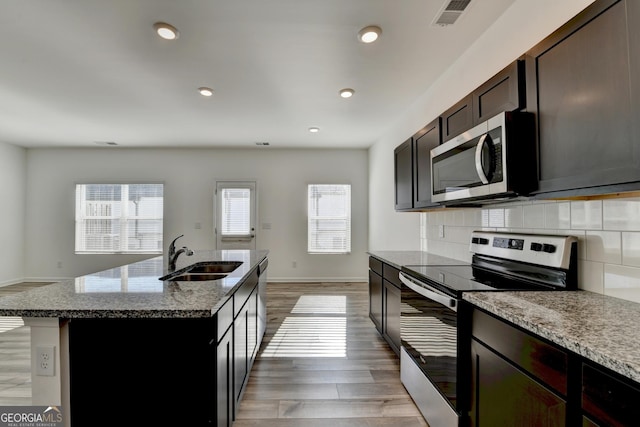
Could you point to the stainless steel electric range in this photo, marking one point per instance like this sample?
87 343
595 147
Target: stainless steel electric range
435 326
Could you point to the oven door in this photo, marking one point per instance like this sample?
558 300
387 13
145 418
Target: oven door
429 365
470 165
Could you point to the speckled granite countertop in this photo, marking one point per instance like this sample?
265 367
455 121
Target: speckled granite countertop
401 258
134 291
603 329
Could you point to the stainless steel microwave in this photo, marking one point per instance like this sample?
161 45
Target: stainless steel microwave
494 160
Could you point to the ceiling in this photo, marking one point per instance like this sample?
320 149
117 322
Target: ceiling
77 72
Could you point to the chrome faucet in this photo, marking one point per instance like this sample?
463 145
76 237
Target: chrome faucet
173 254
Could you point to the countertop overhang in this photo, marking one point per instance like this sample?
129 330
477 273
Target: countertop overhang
135 291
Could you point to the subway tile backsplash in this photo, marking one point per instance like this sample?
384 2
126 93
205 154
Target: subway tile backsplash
608 233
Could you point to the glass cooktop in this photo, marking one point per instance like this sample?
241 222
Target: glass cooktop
455 279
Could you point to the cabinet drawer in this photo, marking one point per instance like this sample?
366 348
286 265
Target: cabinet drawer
224 318
241 296
540 359
609 399
375 265
391 274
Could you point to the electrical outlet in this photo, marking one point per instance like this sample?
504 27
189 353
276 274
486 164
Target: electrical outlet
294 264
45 361
441 231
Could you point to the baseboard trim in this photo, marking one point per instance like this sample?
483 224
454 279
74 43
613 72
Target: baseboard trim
46 279
316 279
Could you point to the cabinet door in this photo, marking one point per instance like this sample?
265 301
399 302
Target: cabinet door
403 168
424 141
375 299
457 119
240 329
503 92
504 396
391 323
582 83
252 326
610 399
225 397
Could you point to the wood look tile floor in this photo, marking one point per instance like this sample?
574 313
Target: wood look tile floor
322 363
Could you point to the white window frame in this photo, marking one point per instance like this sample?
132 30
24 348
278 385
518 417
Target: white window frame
313 218
81 218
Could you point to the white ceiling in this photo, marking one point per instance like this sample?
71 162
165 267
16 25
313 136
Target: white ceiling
73 72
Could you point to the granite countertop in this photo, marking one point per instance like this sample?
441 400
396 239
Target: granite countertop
135 291
601 328
398 259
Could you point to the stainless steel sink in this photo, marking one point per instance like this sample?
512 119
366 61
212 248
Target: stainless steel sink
216 267
189 277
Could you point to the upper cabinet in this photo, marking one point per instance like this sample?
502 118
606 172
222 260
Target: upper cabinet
505 91
403 175
412 163
583 83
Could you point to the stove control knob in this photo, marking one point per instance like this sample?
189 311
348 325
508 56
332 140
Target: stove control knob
537 247
548 248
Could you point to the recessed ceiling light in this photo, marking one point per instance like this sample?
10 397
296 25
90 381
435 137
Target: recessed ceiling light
166 31
369 34
314 129
347 93
205 91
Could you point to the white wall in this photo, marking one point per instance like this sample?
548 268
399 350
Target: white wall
13 179
520 28
189 176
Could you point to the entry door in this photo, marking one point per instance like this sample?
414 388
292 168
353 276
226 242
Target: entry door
235 215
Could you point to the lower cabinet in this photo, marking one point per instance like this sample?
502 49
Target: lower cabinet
608 399
384 301
391 307
375 292
196 369
224 380
520 379
503 395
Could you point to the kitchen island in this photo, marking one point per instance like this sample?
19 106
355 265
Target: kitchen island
122 337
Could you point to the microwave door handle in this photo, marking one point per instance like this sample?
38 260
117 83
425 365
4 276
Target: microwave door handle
430 293
479 168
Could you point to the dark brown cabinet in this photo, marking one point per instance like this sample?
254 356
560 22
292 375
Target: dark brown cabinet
505 91
607 399
384 301
198 365
375 292
412 163
403 175
516 378
424 141
457 119
224 381
583 83
391 307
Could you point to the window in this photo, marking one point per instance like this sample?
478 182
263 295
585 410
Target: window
329 216
119 218
236 218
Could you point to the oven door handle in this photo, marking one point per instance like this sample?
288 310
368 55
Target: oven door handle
429 292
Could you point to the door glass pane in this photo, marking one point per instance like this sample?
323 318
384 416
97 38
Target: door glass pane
236 209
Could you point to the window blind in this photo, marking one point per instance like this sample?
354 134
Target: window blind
329 219
119 218
236 212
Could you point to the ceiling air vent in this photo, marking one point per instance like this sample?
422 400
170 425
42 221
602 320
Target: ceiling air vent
450 12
